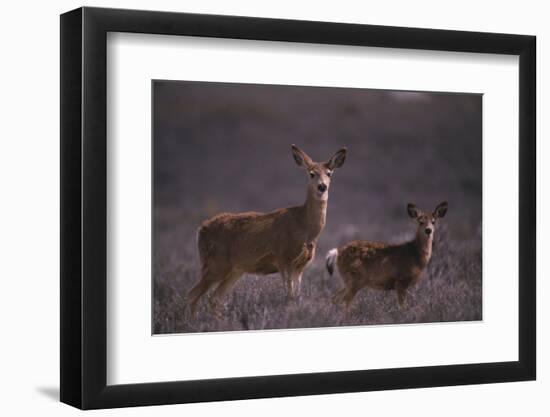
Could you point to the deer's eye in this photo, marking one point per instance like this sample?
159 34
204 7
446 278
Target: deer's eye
329 173
312 174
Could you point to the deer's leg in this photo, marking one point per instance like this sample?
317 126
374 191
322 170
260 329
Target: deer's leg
223 288
348 297
401 289
299 266
295 283
338 297
299 283
197 292
353 286
209 277
287 282
345 296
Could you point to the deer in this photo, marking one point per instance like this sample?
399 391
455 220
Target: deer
365 264
282 241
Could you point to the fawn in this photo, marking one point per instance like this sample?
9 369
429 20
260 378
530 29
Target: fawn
281 241
385 266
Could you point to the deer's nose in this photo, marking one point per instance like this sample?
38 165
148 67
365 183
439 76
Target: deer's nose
428 231
322 187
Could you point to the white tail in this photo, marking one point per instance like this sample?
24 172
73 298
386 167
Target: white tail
330 260
281 241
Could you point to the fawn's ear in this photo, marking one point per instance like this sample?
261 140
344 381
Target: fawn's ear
440 210
413 211
301 158
338 159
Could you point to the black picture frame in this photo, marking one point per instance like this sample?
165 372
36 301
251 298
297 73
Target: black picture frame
84 207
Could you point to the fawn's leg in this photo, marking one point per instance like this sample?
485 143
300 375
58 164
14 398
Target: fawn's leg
347 291
338 297
350 295
347 298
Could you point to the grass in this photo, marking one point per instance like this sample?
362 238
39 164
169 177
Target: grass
450 290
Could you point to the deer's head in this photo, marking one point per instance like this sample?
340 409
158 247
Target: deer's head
426 221
319 173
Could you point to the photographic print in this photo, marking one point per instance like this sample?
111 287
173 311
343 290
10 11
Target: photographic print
292 207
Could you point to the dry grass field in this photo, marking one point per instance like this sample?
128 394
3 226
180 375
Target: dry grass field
226 148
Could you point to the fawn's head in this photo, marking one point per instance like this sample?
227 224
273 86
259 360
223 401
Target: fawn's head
319 173
426 221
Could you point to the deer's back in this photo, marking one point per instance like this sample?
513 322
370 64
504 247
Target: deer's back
252 241
377 264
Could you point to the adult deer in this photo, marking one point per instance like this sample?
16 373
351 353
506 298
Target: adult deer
385 266
281 241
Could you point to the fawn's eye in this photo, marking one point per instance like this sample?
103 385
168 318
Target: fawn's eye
312 174
329 173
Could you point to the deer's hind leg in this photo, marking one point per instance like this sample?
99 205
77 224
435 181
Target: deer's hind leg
338 297
346 295
223 288
352 285
209 277
196 293
349 295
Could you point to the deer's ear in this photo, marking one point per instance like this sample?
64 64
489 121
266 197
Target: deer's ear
441 210
338 159
413 211
301 158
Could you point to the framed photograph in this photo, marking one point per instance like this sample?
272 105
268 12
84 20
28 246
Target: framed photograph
256 208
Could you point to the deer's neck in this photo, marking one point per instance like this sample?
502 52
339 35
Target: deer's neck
315 212
423 245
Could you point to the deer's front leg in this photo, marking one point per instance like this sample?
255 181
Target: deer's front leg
296 284
298 265
401 289
287 282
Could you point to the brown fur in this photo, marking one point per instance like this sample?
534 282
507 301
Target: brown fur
281 241
364 264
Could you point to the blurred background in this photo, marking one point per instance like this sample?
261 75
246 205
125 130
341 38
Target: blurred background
226 147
